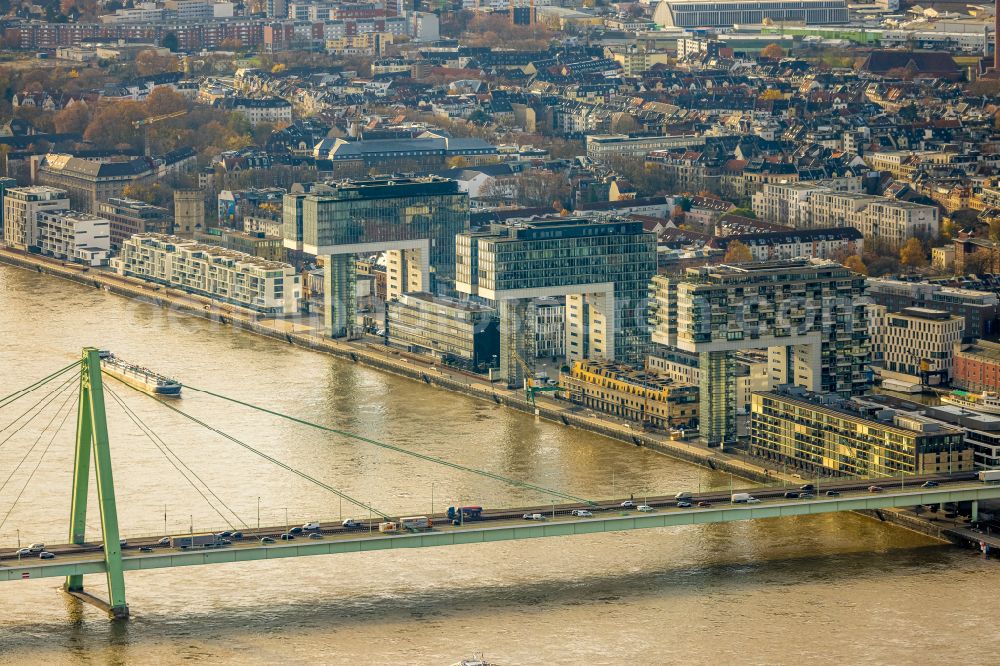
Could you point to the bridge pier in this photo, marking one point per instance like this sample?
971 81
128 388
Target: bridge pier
92 436
975 510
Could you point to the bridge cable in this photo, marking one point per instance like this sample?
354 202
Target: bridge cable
38 463
16 395
398 449
271 459
164 449
40 435
50 396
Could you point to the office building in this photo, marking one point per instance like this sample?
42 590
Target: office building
74 236
980 309
131 216
823 434
637 395
222 275
89 182
449 329
982 432
548 321
414 220
809 314
21 206
429 151
915 345
602 268
610 146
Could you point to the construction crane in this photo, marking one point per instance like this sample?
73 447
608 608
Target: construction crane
146 122
530 388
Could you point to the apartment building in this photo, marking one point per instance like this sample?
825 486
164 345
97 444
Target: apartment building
257 111
809 314
811 243
21 206
915 345
883 221
823 434
223 275
642 396
446 328
74 236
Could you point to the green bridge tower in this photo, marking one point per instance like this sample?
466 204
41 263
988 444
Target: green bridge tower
92 434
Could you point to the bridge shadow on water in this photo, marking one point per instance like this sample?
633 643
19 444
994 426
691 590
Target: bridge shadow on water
82 629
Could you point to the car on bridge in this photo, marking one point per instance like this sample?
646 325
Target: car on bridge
350 524
267 539
833 493
533 516
311 526
287 537
930 484
645 508
791 494
581 513
703 503
680 505
145 549
23 552
165 541
628 504
875 489
46 555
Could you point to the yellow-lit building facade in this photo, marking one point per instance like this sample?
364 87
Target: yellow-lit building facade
636 395
802 432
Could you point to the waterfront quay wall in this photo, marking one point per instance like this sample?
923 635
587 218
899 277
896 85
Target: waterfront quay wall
389 362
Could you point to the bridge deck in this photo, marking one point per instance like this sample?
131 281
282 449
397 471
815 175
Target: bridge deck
503 530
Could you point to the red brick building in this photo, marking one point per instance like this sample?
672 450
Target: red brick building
977 366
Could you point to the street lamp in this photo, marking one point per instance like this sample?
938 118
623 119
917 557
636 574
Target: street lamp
258 512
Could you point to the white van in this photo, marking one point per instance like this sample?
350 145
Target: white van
683 495
36 547
311 526
741 498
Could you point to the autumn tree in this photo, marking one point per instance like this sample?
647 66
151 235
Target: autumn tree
773 51
163 100
978 262
738 253
856 264
912 254
73 119
112 124
150 62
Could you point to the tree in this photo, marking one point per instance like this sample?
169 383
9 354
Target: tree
744 212
150 62
912 254
978 262
163 100
773 51
73 119
856 264
112 124
738 253
171 42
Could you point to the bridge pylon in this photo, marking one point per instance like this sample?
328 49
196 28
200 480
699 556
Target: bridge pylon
92 436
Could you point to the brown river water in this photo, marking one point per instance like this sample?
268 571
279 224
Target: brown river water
822 589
